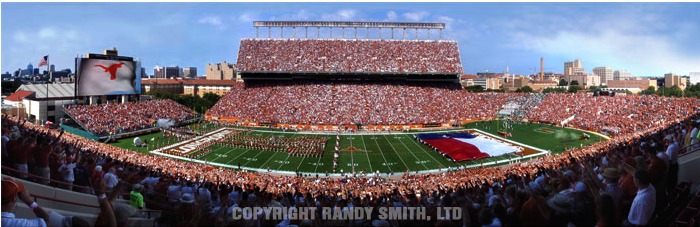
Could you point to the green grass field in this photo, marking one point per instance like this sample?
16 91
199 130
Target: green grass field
158 141
384 153
542 136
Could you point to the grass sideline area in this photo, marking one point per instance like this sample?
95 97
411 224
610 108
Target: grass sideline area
128 143
158 141
547 137
385 153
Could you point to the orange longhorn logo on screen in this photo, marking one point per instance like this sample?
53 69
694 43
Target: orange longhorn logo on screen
112 69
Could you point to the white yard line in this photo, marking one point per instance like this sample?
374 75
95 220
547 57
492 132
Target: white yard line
268 159
395 152
246 151
218 156
409 151
380 152
281 163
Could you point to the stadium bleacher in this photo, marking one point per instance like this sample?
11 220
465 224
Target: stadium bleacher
343 55
120 118
335 103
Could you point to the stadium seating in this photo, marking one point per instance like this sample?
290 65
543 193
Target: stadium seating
335 103
611 115
349 56
126 117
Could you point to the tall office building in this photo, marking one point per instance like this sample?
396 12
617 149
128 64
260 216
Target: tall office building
167 72
189 72
605 73
143 73
621 75
671 79
221 71
573 68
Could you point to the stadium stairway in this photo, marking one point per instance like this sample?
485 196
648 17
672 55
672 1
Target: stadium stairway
70 203
689 169
520 107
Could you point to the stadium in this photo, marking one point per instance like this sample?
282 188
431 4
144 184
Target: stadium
350 123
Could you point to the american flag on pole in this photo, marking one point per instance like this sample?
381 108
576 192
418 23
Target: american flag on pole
44 61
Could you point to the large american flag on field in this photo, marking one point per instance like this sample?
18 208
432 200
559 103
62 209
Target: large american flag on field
44 61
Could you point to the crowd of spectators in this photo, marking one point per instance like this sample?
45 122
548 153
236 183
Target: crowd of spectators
623 180
115 118
344 103
612 115
349 56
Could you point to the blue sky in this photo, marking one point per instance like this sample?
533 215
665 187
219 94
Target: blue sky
647 39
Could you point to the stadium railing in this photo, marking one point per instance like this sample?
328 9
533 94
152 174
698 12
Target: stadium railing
687 150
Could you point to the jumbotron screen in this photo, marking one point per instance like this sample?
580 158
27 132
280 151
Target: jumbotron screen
107 77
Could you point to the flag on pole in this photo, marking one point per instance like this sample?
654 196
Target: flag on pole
44 61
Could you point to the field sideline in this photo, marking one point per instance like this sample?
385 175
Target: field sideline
395 152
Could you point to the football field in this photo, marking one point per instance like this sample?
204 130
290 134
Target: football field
371 153
395 152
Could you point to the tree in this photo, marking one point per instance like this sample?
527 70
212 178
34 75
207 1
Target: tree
593 88
554 90
211 97
692 90
562 82
649 91
674 91
574 88
526 89
474 88
574 82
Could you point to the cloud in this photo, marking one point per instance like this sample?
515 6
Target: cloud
415 16
211 20
299 15
47 33
644 44
58 42
21 37
391 16
248 17
340 15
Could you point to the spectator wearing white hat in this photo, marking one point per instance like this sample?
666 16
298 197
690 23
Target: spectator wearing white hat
111 179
